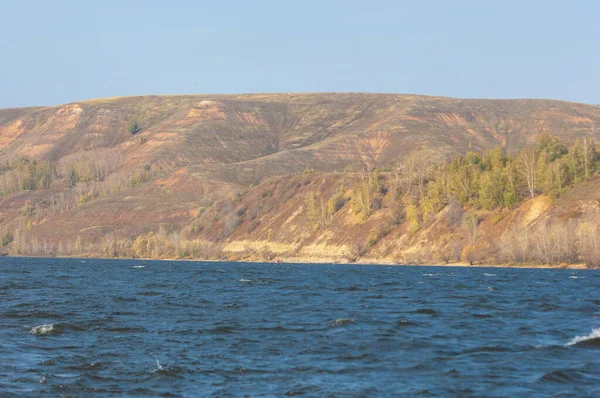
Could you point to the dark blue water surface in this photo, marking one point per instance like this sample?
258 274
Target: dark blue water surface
134 328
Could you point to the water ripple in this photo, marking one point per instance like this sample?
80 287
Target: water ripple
146 328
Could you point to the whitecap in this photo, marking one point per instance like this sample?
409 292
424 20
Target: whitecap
576 277
245 280
342 321
42 330
139 266
158 366
593 336
489 274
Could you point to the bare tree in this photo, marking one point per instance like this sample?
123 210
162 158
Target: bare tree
527 161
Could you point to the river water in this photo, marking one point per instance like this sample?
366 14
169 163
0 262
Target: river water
149 328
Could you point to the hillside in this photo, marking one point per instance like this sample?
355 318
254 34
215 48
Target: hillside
229 175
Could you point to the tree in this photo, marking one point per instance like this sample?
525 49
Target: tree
362 191
133 127
588 156
6 238
468 254
463 180
455 212
551 146
413 216
527 162
488 197
581 159
314 215
435 200
471 221
494 159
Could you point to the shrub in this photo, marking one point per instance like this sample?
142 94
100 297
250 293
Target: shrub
356 251
468 254
6 238
253 225
337 201
200 210
196 228
373 238
133 127
267 254
496 218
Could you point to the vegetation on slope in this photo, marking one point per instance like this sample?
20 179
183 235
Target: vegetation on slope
336 177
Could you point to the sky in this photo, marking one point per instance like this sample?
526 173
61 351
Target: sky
60 51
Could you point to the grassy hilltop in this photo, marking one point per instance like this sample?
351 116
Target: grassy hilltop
311 177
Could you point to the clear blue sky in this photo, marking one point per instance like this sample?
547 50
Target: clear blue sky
61 51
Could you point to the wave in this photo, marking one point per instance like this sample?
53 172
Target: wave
46 329
158 367
171 371
438 274
352 288
342 322
124 313
223 330
231 305
32 314
126 329
487 348
139 266
245 280
566 376
591 340
125 299
425 311
406 322
149 293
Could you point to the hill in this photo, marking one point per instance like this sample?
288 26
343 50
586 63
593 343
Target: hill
90 178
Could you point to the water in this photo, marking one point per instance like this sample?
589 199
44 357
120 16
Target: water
134 328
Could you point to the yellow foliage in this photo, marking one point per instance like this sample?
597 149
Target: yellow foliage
468 254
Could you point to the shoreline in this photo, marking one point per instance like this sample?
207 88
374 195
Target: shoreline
284 260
